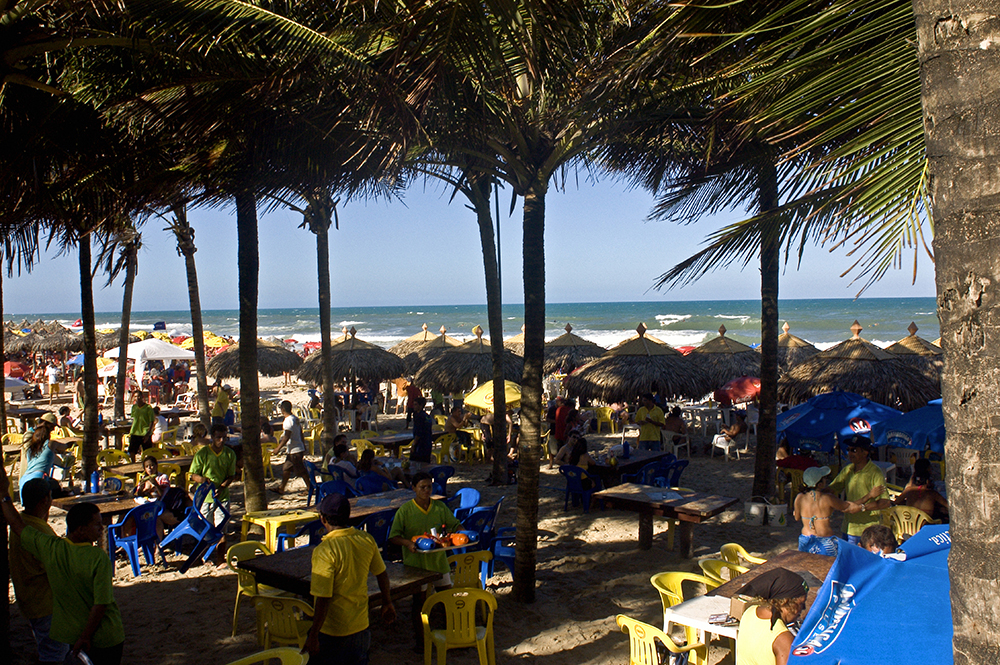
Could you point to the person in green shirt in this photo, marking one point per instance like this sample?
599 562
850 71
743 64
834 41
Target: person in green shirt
139 437
862 482
84 612
215 463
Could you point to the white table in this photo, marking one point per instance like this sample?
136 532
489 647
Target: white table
704 415
888 470
695 613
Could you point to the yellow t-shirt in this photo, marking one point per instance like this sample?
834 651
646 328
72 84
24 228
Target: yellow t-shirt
755 639
221 404
648 432
31 585
340 567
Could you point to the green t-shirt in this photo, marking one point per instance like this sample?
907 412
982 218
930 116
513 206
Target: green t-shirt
28 574
142 419
81 574
221 404
855 484
411 520
216 468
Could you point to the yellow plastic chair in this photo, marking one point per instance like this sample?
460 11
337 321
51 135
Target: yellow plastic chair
465 569
169 442
460 624
906 521
282 620
361 445
389 432
671 590
173 471
604 414
783 476
441 448
313 440
440 421
158 453
715 570
893 490
367 433
286 655
734 552
106 458
643 638
246 582
266 449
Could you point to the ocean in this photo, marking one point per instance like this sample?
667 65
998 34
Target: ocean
823 322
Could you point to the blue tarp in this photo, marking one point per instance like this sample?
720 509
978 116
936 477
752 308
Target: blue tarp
920 429
825 418
875 610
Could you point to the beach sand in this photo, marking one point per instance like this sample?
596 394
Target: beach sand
589 570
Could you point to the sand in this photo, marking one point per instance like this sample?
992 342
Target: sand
589 570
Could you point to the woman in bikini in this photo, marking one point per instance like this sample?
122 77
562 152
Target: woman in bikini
814 506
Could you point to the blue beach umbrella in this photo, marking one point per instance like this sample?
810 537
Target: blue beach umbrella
824 419
921 429
847 623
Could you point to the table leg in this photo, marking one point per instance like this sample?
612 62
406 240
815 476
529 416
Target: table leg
645 531
246 530
687 538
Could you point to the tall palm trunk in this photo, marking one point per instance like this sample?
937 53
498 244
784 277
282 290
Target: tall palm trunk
5 649
480 195
90 429
957 64
318 217
770 262
248 261
186 248
3 356
531 394
131 261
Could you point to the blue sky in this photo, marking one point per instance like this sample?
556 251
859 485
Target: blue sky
425 250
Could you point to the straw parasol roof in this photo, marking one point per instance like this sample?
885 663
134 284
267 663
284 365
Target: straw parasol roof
858 366
354 359
18 342
569 351
917 352
792 350
457 368
723 359
108 339
273 359
516 343
57 338
638 365
417 349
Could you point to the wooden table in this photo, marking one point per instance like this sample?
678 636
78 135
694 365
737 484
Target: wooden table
611 475
291 570
136 467
393 441
26 414
176 413
118 430
689 508
276 521
110 506
812 567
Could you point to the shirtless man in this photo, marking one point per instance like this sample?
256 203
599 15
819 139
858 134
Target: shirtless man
814 506
920 494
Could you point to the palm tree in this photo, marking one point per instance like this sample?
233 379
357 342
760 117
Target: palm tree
121 252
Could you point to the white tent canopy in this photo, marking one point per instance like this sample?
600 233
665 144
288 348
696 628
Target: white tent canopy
150 349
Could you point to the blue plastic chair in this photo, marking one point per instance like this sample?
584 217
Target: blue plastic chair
334 487
313 529
481 521
676 469
144 538
647 475
336 471
502 548
315 480
440 475
378 526
574 486
373 483
206 536
463 502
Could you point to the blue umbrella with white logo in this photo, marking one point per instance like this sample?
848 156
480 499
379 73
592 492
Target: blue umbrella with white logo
824 419
920 429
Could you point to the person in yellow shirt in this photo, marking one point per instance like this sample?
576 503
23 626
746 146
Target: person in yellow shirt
764 638
340 565
34 595
650 419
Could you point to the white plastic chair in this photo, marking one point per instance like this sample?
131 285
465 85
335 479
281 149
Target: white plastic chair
668 442
719 441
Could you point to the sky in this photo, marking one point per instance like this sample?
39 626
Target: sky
424 250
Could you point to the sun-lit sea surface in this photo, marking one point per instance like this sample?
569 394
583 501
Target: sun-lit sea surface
822 322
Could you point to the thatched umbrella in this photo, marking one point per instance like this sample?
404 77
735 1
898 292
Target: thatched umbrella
419 348
569 351
792 350
58 340
858 366
18 342
516 344
638 365
457 368
354 359
108 339
723 359
273 359
925 357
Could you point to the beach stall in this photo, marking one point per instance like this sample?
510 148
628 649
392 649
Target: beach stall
353 359
458 368
273 359
792 350
856 365
924 356
515 344
422 347
723 359
569 351
150 349
638 365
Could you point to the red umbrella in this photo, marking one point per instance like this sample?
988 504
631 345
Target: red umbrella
14 369
179 339
738 391
312 345
685 349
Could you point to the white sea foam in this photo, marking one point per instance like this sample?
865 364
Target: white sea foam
823 346
669 319
348 324
743 319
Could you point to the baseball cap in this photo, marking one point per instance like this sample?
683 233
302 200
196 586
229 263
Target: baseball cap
49 418
335 504
814 474
858 441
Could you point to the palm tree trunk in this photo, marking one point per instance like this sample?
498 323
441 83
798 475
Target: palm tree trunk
480 195
531 395
957 63
186 248
318 216
130 269
5 648
90 429
770 262
3 358
248 261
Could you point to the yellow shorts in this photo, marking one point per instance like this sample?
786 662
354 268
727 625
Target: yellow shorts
53 388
